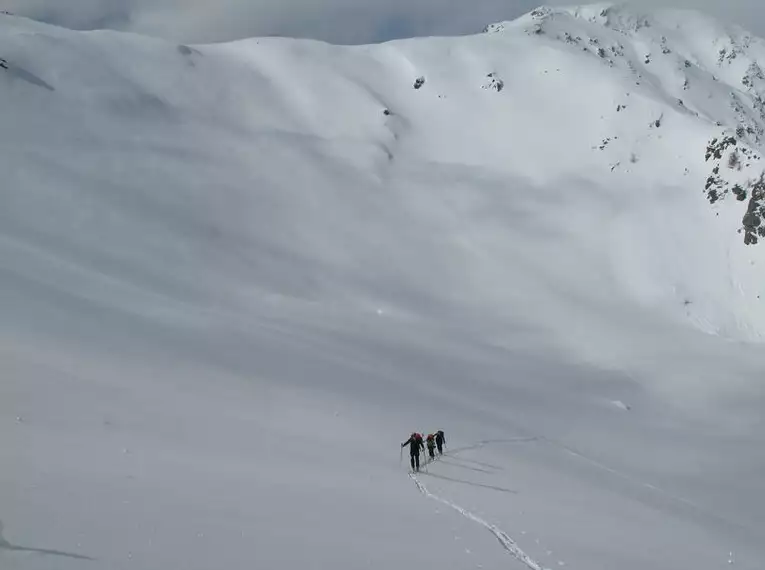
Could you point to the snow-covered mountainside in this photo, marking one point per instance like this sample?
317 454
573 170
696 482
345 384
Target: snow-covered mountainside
235 277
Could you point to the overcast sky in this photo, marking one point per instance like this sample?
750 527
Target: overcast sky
338 21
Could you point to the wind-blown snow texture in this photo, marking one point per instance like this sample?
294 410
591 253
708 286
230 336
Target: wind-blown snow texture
234 278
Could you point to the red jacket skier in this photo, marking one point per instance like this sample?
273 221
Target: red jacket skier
415 445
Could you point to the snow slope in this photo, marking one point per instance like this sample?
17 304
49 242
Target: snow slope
234 277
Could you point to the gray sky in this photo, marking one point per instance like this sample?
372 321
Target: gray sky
338 21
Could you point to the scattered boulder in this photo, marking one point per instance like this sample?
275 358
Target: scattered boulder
605 143
493 28
494 83
571 39
734 160
739 192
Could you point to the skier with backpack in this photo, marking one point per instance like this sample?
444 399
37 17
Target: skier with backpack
440 441
415 445
431 446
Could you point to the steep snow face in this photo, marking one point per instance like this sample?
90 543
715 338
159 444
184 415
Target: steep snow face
668 86
233 276
563 101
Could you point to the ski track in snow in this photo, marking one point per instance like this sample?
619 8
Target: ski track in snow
693 507
504 539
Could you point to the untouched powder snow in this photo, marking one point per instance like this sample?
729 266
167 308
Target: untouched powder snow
235 277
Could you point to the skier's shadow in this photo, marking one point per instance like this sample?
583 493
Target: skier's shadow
5 545
456 463
471 483
453 453
485 442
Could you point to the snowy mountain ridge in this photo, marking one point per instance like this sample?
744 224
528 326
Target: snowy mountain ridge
235 277
690 53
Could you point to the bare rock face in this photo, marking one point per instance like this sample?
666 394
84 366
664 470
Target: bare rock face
493 82
755 212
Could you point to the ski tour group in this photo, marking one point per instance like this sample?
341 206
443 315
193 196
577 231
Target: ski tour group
416 445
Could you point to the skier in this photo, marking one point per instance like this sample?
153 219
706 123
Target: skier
440 441
415 444
431 446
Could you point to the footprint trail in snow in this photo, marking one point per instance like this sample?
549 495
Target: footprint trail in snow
504 539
